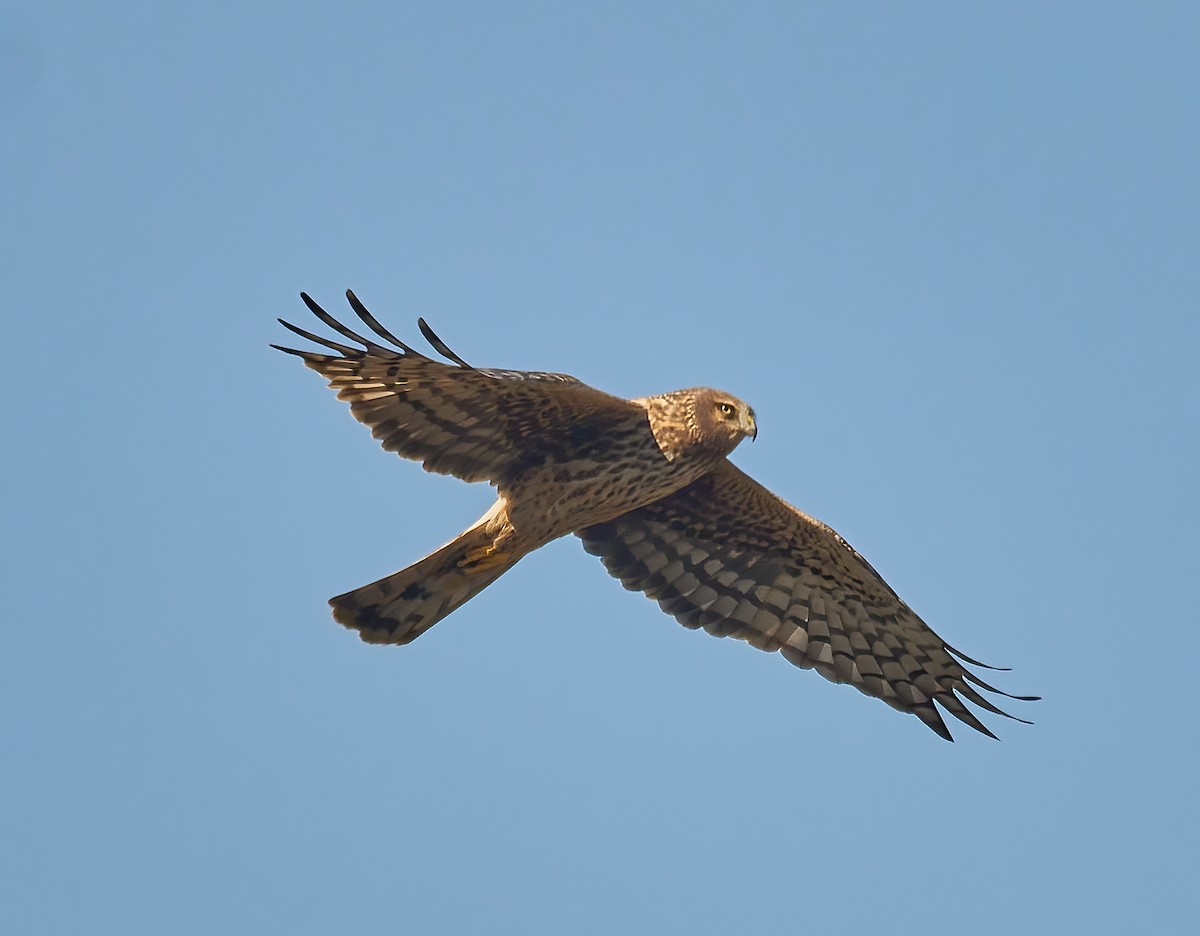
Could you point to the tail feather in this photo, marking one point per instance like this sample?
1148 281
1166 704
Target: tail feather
399 608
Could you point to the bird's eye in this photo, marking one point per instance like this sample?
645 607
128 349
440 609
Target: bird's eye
725 408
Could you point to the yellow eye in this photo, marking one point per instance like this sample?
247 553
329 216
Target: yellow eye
725 408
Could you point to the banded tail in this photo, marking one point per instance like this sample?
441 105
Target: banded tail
399 608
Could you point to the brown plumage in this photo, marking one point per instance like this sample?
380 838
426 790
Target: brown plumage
647 486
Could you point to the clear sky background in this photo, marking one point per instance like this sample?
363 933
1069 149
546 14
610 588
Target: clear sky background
947 251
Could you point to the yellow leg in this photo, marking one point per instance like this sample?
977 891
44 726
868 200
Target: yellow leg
482 558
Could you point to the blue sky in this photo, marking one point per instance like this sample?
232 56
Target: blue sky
946 251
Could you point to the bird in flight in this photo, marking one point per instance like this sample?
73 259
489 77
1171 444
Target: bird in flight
647 485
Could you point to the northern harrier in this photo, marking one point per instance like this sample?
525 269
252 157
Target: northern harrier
647 486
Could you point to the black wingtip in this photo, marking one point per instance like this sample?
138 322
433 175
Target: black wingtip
372 323
308 357
972 678
355 302
440 346
966 659
984 729
341 329
342 349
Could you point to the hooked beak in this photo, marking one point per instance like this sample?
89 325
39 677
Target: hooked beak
750 427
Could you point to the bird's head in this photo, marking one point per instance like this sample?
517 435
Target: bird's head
701 421
723 416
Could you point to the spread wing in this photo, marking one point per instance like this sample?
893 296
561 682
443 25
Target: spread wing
727 555
476 424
